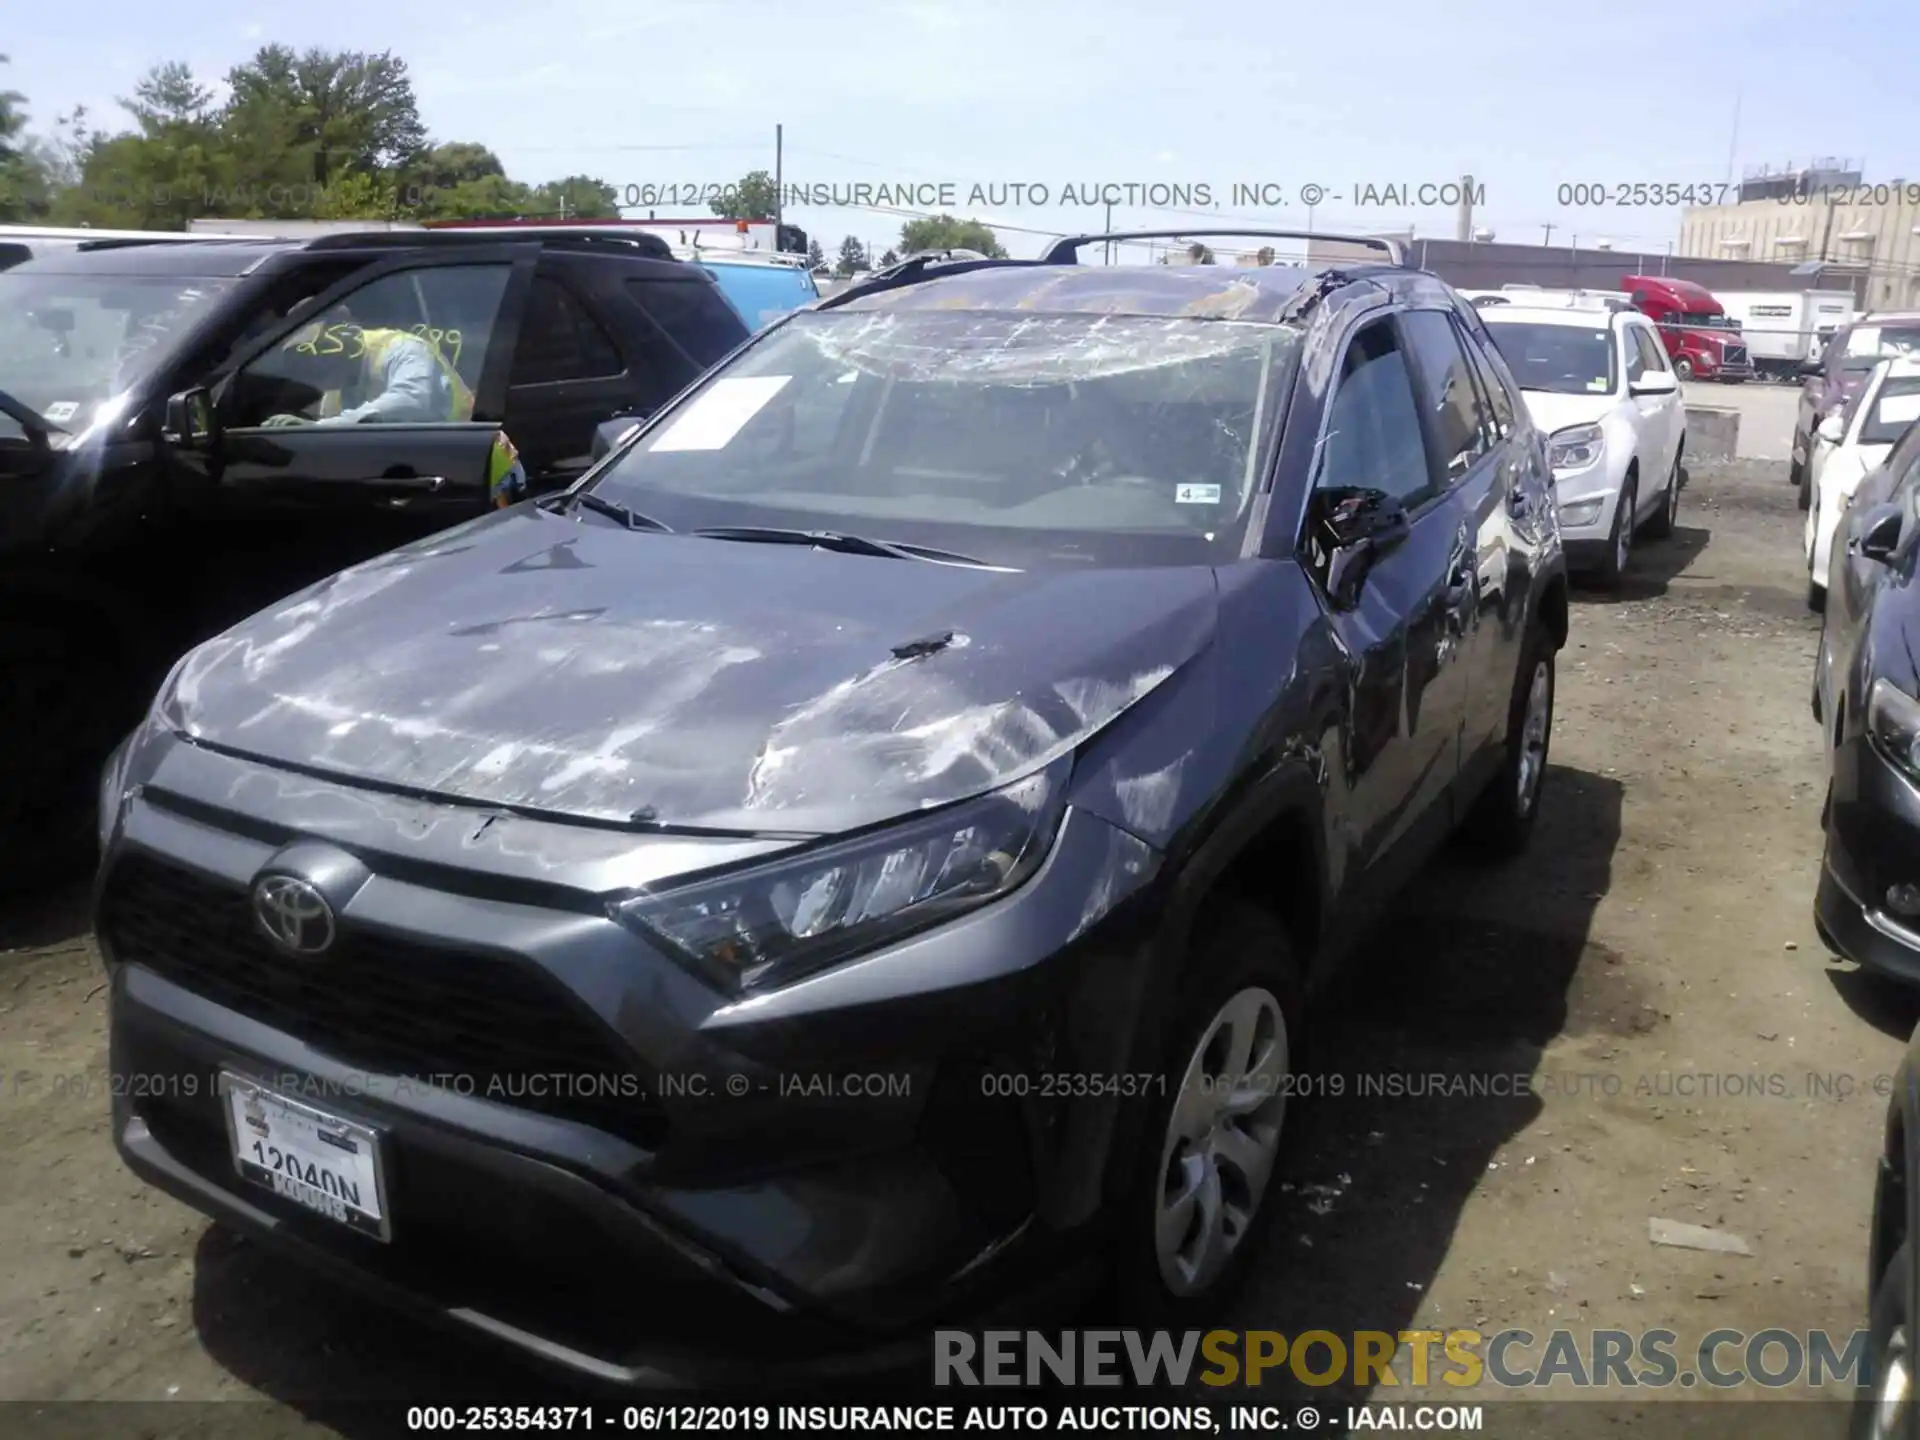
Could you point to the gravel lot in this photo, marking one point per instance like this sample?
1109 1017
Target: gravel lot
1660 928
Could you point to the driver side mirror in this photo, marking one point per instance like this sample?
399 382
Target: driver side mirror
609 435
1880 532
1359 526
189 419
1812 369
1833 429
1655 382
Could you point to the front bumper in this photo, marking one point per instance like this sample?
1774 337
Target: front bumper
1588 542
765 1207
1873 844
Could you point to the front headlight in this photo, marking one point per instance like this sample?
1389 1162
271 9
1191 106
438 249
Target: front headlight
769 924
1575 448
1893 724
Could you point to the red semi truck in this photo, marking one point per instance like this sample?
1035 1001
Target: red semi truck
1702 340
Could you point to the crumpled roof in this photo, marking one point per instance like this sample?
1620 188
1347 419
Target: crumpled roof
1217 292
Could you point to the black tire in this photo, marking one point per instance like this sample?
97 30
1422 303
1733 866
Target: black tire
1816 598
1660 526
1889 1343
1802 491
1502 819
1241 948
1683 368
62 710
1614 566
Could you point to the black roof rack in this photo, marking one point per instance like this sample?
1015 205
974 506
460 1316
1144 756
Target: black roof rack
650 246
1067 251
123 242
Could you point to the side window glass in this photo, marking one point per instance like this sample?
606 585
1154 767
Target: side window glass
407 348
693 314
559 340
1373 439
1652 352
1496 406
1636 355
1445 388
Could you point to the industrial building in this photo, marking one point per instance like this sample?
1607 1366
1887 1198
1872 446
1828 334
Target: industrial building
1864 235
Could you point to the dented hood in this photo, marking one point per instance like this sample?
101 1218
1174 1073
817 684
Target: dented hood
532 661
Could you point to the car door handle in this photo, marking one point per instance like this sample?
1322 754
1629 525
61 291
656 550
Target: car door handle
407 480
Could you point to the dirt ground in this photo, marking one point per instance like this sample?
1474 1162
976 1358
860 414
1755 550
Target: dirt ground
1651 964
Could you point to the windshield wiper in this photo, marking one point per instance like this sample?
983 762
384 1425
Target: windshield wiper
841 541
600 505
29 418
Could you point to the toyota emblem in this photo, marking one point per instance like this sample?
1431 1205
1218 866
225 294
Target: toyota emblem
293 913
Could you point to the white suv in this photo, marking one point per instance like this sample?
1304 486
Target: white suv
1597 381
1849 446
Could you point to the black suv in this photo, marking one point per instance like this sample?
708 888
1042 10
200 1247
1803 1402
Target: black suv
144 505
858 858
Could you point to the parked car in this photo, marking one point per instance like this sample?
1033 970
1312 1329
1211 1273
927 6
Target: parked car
1865 688
1849 446
1835 377
21 243
1885 1404
1699 336
146 503
1597 383
1004 670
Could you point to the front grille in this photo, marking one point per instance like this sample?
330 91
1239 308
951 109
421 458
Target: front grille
1736 355
485 1023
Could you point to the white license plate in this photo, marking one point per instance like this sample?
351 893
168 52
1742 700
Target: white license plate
329 1165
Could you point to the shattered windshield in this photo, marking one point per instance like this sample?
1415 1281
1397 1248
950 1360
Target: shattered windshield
1011 437
69 342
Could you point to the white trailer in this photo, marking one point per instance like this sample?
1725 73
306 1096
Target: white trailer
1785 328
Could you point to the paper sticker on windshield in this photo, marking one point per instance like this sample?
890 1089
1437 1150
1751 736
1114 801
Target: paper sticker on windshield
720 413
62 411
1894 410
1596 385
1196 495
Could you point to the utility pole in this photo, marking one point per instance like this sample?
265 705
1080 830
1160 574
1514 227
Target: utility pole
1109 230
1547 239
1464 230
779 199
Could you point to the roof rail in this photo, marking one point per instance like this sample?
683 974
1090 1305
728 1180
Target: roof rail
1066 251
651 246
910 270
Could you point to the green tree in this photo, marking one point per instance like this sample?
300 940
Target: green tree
26 189
174 165
889 259
948 232
332 112
754 198
853 257
816 257
577 197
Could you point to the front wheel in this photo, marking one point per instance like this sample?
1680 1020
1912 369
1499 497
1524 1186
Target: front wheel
1198 1197
1684 369
1502 820
1883 1405
1620 538
1660 526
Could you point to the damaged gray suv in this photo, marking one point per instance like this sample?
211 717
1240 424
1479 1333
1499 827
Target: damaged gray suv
856 860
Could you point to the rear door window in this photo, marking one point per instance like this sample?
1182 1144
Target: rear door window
1445 387
560 340
693 315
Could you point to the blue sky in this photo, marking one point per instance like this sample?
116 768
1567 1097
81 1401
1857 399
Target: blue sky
1526 97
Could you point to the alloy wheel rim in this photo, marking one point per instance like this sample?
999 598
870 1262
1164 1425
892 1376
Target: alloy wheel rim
1893 1396
1533 735
1222 1136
